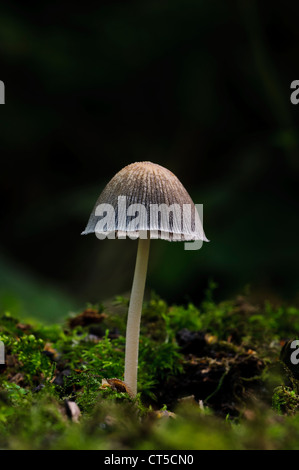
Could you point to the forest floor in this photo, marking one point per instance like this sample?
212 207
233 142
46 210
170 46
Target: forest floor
219 376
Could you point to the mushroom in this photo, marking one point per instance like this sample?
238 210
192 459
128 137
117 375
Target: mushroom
164 210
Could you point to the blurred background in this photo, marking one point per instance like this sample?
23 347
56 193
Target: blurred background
202 88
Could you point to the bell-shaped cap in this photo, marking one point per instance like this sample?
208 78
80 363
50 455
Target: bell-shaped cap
145 199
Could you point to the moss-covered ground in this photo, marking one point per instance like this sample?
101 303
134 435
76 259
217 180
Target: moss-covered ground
214 377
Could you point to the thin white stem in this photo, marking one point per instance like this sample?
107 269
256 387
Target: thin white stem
134 315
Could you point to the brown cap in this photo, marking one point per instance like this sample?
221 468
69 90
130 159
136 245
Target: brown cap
169 212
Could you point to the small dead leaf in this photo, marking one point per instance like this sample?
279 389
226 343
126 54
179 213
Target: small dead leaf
189 400
88 317
72 410
17 378
117 385
50 351
164 414
211 339
251 351
24 326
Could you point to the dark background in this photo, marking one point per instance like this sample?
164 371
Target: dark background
200 87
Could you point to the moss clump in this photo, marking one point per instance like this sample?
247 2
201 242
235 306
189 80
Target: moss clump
209 378
285 400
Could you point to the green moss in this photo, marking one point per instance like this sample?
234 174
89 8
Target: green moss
210 377
285 400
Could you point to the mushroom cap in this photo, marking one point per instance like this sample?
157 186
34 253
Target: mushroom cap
152 186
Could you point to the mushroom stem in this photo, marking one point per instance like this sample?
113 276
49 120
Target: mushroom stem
134 315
